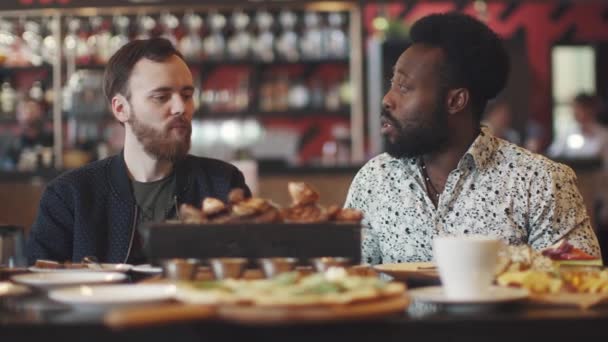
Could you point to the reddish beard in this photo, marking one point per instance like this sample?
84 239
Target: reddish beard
163 144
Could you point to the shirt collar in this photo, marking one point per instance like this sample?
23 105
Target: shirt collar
482 149
478 154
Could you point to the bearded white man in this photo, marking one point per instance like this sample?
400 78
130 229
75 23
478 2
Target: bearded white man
99 209
444 174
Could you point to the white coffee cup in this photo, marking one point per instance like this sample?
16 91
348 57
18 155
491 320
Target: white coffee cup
466 264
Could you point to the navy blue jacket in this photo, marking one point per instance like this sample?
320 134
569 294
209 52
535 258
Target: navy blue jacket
91 211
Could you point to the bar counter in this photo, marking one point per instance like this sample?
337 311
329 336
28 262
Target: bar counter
43 320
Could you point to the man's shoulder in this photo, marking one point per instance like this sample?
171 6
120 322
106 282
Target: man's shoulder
517 157
86 172
381 164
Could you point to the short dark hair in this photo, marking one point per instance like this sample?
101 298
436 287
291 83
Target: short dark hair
475 57
119 67
587 100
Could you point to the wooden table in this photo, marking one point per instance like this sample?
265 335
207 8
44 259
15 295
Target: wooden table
35 318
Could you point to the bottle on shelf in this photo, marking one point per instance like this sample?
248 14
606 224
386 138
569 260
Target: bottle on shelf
215 44
191 45
169 23
311 42
99 40
239 44
121 24
49 43
287 42
32 42
263 44
336 40
8 99
145 25
299 95
36 92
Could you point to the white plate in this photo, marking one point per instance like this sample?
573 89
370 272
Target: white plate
90 268
497 294
49 280
147 268
119 294
9 289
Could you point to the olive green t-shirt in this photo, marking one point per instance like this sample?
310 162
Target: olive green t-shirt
154 204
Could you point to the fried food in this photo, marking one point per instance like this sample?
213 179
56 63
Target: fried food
236 195
347 215
213 206
305 214
191 214
251 206
239 209
302 193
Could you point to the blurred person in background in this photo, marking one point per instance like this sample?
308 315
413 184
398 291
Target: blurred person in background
499 120
32 134
588 139
101 209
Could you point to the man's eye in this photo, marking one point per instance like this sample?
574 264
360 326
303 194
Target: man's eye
160 98
399 86
187 96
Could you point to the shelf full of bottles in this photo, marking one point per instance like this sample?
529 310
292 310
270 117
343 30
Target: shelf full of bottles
259 63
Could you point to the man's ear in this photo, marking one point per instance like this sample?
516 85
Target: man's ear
121 108
458 99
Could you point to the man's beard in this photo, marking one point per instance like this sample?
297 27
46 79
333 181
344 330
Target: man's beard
161 144
417 138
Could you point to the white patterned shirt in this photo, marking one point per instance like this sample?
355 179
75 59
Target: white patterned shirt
498 189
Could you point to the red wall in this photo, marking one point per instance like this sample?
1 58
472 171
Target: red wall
540 29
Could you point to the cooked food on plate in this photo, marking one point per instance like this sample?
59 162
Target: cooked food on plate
540 272
303 209
333 287
50 264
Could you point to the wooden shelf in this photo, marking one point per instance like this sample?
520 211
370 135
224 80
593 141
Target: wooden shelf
295 113
239 62
9 69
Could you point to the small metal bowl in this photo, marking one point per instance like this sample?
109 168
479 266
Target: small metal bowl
224 268
274 266
324 263
180 269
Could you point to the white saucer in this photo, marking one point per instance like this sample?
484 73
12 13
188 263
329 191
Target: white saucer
91 268
50 280
496 294
118 294
147 268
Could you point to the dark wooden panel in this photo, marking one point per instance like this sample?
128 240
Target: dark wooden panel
302 241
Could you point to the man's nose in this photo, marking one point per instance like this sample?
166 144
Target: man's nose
387 102
178 105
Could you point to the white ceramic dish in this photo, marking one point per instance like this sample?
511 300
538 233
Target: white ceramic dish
56 279
112 295
496 294
147 268
92 268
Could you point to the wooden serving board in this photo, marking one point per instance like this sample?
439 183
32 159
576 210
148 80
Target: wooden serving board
160 314
580 300
256 315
